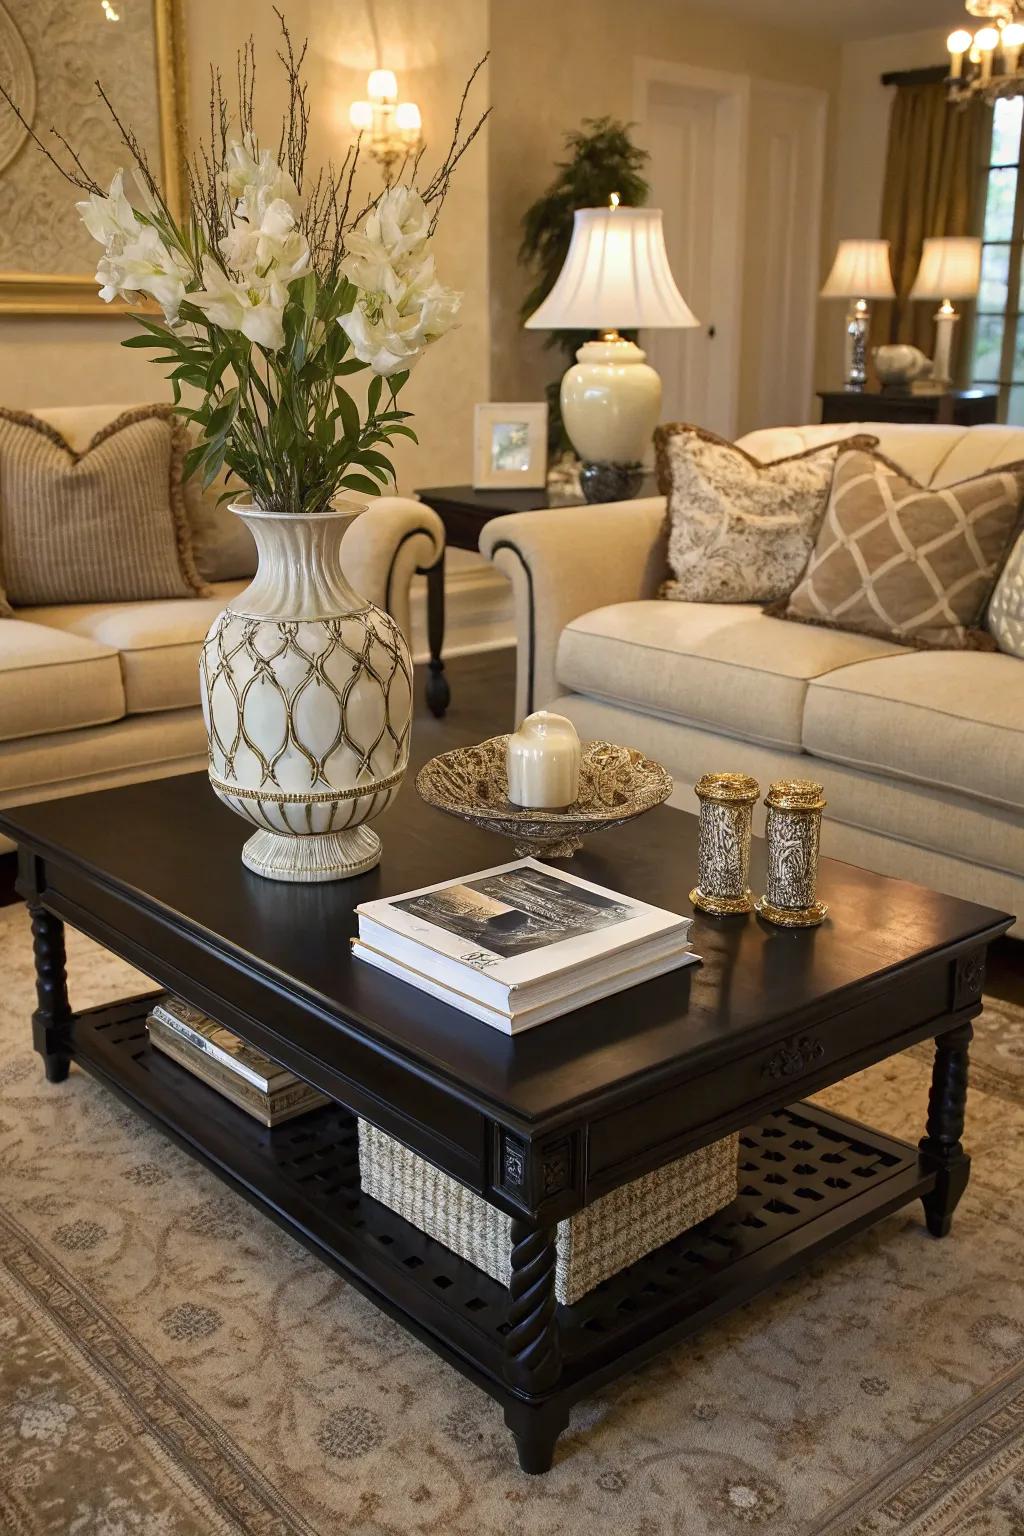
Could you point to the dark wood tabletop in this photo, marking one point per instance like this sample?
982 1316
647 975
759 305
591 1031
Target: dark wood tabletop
174 850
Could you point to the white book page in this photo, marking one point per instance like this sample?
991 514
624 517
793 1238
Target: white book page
522 922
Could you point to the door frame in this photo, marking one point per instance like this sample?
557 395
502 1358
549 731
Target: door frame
732 111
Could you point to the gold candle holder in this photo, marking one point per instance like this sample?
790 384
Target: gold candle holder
793 833
723 843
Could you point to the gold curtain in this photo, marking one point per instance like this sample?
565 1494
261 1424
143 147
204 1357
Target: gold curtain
932 180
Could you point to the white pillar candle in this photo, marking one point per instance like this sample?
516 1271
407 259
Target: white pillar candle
543 762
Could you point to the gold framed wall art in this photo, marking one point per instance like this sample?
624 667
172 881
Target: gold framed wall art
50 57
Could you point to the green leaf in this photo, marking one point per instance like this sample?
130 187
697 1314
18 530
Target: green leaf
397 381
373 394
351 365
361 483
348 413
403 431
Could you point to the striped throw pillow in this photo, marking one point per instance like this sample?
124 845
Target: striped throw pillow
107 525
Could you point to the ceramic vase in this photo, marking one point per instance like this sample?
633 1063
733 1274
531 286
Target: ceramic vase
307 697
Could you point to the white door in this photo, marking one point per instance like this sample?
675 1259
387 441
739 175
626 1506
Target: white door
692 122
786 172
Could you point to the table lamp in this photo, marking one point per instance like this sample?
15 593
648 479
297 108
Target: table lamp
860 273
615 274
950 269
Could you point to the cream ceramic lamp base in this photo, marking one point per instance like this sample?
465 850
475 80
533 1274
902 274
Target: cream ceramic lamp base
611 402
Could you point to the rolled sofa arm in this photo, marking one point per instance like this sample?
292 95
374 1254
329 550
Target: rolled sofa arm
385 548
562 562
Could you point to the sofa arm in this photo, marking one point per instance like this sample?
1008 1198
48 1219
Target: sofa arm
564 561
385 548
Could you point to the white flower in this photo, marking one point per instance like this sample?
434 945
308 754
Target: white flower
395 231
144 265
391 325
268 244
110 220
244 176
255 308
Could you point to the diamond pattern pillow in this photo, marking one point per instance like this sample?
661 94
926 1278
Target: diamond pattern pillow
739 531
908 563
1006 610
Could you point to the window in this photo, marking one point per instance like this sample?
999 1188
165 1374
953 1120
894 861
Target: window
997 348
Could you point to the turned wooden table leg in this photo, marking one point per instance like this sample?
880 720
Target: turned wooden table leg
438 691
942 1145
533 1362
52 1020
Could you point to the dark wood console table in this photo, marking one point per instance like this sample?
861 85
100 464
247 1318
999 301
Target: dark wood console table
960 407
539 1125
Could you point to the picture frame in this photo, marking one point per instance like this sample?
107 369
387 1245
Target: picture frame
510 445
24 292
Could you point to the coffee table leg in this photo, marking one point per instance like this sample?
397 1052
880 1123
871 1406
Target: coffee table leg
438 691
533 1359
52 1020
942 1145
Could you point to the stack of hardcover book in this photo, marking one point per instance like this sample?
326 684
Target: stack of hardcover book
520 944
263 1088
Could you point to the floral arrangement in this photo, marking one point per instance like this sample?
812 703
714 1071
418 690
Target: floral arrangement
273 293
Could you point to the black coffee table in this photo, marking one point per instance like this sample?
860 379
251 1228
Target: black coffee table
539 1125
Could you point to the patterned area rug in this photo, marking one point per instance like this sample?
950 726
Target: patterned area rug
173 1365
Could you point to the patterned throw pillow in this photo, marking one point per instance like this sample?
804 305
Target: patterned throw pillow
107 525
1006 610
739 531
908 563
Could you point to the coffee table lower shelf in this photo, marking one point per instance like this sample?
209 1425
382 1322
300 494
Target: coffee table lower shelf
809 1179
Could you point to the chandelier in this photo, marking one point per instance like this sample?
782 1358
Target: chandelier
393 126
987 63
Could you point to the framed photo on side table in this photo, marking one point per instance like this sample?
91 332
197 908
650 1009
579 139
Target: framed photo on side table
510 446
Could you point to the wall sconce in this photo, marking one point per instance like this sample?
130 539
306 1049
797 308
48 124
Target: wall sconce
393 126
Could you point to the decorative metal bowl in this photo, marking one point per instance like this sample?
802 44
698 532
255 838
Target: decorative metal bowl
616 784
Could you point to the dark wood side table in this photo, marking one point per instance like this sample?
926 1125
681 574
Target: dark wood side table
464 511
960 407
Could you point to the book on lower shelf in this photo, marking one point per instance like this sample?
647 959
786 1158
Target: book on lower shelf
520 944
285 1095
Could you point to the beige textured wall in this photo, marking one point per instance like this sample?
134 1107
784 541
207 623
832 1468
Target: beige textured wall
552 66
862 131
433 45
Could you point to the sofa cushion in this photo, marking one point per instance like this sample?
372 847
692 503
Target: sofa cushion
908 562
107 524
1006 610
951 719
51 681
158 642
723 665
739 531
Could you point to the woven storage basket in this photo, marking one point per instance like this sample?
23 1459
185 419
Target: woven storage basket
618 1229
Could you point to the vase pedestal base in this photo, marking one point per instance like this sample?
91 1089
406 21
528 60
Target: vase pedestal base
319 857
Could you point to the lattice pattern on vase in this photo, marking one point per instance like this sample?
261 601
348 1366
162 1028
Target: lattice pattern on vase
615 1231
308 720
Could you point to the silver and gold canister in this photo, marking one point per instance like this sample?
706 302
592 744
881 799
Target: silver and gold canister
793 833
723 843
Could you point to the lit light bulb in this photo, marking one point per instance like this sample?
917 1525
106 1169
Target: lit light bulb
958 41
1013 35
614 200
109 12
987 39
360 115
407 117
382 85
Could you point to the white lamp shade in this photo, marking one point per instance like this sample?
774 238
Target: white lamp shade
860 271
616 275
950 268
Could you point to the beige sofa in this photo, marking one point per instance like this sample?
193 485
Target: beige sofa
921 752
95 695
